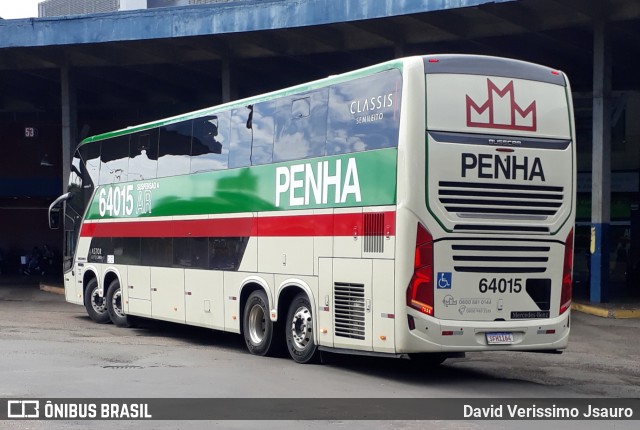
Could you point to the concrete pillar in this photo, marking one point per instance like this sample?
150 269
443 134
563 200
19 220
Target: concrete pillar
69 121
398 50
226 80
601 164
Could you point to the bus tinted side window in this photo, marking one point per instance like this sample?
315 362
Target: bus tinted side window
158 251
364 114
126 250
301 126
210 143
191 252
143 155
114 160
90 153
241 132
262 127
174 150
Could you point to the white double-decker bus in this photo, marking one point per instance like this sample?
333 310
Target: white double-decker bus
424 206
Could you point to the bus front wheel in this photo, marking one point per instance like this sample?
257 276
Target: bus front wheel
299 331
115 306
95 305
258 329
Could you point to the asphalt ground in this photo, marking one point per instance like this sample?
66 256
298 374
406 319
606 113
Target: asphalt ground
50 348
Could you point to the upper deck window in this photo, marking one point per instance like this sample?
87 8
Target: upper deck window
301 126
364 113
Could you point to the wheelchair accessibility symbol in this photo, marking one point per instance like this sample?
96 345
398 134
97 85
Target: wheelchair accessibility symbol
444 280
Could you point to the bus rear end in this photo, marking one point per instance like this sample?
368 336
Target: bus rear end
492 257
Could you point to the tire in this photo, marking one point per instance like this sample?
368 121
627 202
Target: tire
260 334
95 305
114 306
299 331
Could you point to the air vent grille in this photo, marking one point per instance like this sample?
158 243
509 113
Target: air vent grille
479 258
500 201
349 314
374 232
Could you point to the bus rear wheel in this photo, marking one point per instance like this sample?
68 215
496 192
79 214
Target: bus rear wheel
259 331
299 331
95 305
115 305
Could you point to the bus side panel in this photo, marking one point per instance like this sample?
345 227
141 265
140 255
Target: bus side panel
167 294
139 282
285 255
325 302
249 261
73 290
322 245
347 231
285 243
138 291
383 310
204 298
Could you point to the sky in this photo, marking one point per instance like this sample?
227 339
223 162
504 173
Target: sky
10 9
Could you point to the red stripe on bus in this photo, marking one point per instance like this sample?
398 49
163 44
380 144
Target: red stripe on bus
281 226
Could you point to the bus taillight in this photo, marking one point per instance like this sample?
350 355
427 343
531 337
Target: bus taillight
565 295
420 291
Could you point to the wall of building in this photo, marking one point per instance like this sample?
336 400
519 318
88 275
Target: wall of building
26 188
132 4
50 8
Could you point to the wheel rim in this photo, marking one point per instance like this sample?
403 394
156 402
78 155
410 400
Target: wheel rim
257 325
301 328
99 304
116 302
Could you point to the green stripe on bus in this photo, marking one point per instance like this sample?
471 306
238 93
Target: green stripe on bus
359 179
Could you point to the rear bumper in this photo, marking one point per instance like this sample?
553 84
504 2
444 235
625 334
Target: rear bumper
431 335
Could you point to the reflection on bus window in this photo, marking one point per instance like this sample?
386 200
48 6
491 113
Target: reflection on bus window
364 114
90 153
210 143
301 126
174 151
241 136
262 127
143 155
114 160
75 178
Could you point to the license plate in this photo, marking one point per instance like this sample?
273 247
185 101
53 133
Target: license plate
499 338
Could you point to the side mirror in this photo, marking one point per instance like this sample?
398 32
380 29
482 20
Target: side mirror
54 218
54 211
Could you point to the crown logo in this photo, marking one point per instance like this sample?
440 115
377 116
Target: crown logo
492 115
